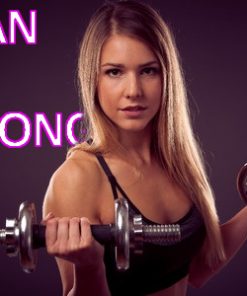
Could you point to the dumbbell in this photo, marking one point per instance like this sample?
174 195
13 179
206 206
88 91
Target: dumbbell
242 183
23 236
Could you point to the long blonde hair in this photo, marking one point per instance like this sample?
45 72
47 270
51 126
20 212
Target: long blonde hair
173 140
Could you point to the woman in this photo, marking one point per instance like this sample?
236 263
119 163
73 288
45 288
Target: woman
140 146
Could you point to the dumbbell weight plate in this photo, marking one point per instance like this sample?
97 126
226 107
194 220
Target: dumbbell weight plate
242 183
122 234
27 218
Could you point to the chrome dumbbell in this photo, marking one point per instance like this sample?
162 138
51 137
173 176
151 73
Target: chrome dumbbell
23 236
242 183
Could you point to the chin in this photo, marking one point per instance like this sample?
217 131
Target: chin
134 128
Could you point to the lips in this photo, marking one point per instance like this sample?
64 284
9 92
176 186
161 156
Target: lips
134 108
134 112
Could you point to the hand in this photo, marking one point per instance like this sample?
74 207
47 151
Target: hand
71 239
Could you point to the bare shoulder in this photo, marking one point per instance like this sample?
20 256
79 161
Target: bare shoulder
72 190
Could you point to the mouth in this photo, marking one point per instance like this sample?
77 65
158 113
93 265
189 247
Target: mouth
134 108
134 112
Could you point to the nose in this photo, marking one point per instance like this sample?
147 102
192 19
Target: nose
133 88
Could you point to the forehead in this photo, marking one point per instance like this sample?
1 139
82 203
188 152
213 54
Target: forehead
124 49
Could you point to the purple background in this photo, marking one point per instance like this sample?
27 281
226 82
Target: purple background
211 37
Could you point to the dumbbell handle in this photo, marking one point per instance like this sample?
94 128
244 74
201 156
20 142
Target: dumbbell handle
102 233
105 233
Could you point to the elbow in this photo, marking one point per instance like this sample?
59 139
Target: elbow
197 284
197 281
68 292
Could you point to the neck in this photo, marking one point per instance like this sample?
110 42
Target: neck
137 146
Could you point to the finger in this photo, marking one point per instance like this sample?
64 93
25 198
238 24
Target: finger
63 231
86 234
74 232
51 232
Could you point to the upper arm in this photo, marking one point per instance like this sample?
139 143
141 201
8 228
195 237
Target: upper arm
73 189
234 234
201 270
72 192
198 270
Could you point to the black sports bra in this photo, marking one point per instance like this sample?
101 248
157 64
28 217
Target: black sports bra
160 266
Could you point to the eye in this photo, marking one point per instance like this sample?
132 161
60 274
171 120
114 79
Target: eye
114 72
150 71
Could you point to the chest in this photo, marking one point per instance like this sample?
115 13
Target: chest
152 192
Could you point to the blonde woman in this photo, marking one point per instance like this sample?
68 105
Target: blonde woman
141 147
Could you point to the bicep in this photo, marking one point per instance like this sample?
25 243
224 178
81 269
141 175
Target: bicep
72 191
62 193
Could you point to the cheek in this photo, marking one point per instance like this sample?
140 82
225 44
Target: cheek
108 93
154 91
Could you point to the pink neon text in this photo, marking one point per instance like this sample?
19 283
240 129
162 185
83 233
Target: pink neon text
16 21
41 126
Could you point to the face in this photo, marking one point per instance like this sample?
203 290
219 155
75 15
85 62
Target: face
129 84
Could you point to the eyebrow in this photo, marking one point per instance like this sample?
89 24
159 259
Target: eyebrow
122 66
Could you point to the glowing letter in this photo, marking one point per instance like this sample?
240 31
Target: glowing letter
16 19
3 39
70 125
41 120
3 129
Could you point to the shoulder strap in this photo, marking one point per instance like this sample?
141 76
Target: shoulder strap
112 179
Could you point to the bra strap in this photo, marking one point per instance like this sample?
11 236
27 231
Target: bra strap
112 179
109 174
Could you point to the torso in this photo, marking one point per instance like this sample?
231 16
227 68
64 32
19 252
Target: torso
161 201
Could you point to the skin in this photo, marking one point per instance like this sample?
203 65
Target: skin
79 192
131 81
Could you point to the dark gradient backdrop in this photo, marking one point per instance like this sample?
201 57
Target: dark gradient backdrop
212 39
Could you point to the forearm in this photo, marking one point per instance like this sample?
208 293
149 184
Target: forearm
90 282
234 233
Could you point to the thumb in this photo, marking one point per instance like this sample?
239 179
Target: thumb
49 216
